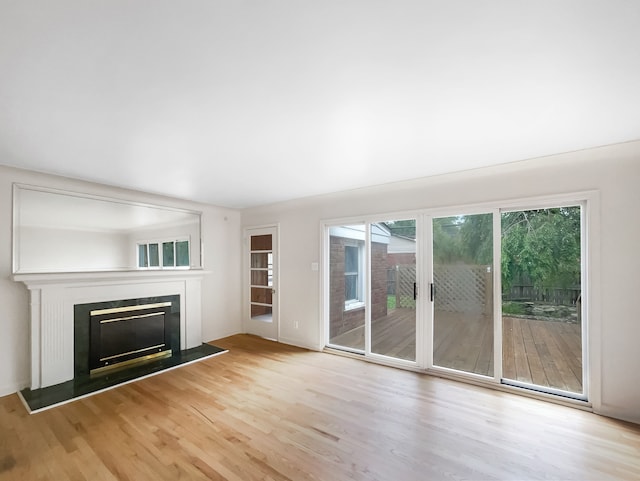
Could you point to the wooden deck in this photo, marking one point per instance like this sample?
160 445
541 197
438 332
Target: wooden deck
463 342
544 353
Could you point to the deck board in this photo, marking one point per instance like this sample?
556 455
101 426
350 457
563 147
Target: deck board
523 371
533 356
508 369
542 352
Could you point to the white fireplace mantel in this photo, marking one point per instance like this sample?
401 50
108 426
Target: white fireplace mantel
53 296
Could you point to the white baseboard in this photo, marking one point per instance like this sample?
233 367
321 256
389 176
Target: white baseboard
12 388
620 414
292 342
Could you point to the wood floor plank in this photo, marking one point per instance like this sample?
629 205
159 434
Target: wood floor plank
266 411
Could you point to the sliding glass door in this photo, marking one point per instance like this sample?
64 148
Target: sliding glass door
372 288
496 296
393 289
542 299
462 293
347 286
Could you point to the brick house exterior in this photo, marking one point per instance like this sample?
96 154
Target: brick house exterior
343 320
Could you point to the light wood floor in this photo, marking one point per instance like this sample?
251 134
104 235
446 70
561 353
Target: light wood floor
545 353
266 411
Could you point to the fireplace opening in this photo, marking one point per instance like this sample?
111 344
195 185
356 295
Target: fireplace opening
121 336
113 335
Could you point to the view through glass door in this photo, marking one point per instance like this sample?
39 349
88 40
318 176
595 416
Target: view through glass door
393 289
503 297
462 293
372 288
262 319
542 299
347 287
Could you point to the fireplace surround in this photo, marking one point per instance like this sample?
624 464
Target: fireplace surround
53 297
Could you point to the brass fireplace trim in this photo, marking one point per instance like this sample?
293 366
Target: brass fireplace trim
115 310
128 318
131 352
123 364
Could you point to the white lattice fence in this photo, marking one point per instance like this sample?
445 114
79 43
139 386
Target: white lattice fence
406 280
462 288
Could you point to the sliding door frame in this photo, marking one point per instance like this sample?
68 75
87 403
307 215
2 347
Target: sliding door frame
428 363
591 305
366 222
586 221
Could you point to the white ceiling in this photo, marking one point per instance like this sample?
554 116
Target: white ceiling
241 103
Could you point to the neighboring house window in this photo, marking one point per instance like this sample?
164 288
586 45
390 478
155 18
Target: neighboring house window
166 254
351 273
353 276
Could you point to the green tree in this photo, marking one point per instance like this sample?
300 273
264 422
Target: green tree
542 245
476 236
405 228
447 248
465 239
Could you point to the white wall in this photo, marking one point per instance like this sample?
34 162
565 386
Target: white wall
614 171
220 289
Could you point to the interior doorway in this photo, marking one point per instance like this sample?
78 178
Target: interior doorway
261 293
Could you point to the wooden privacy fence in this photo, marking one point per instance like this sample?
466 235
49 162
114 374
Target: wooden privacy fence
523 290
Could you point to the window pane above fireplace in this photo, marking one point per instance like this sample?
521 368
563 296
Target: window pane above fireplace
143 260
182 253
154 255
168 259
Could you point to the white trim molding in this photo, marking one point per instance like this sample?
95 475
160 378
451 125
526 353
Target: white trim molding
53 296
